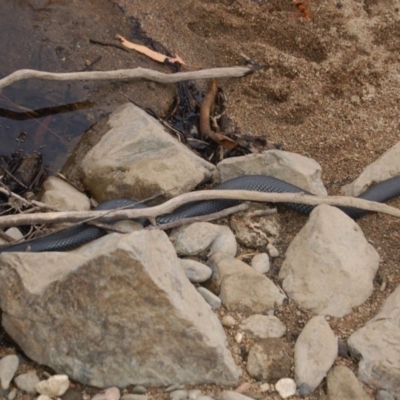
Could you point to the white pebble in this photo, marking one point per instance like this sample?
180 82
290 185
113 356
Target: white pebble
286 387
260 263
239 337
8 368
272 250
194 394
228 321
55 386
111 393
43 397
15 233
264 387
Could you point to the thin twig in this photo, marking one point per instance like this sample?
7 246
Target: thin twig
172 204
128 74
202 218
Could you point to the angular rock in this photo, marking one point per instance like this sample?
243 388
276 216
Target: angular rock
343 384
242 288
193 239
263 326
329 266
270 360
120 311
54 387
211 299
385 167
254 230
62 195
195 271
377 346
138 159
315 351
294 168
8 368
14 233
27 382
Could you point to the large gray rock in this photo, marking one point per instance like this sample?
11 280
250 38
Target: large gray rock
118 312
138 158
385 167
290 167
377 345
329 266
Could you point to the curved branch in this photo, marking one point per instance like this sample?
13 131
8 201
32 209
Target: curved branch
128 74
172 204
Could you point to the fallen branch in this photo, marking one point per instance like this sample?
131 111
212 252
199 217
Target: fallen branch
128 74
172 204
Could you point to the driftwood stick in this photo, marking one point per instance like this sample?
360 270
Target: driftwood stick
128 74
172 204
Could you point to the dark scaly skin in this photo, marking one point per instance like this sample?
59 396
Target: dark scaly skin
76 236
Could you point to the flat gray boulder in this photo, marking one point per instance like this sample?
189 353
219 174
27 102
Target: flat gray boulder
118 312
138 158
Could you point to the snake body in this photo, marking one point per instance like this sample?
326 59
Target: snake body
71 238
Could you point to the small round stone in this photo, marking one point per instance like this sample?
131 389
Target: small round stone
286 387
228 321
265 387
239 337
178 395
138 389
194 394
260 263
272 250
304 390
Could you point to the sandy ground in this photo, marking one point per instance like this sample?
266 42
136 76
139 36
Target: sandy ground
329 90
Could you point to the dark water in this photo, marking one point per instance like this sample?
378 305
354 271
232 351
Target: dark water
48 117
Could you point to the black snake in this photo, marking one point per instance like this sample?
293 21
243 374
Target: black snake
71 238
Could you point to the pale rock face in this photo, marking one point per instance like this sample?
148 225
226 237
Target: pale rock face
119 311
138 159
329 266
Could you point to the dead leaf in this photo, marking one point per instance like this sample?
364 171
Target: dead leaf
148 52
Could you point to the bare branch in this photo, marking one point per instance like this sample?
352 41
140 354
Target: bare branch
128 74
170 205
